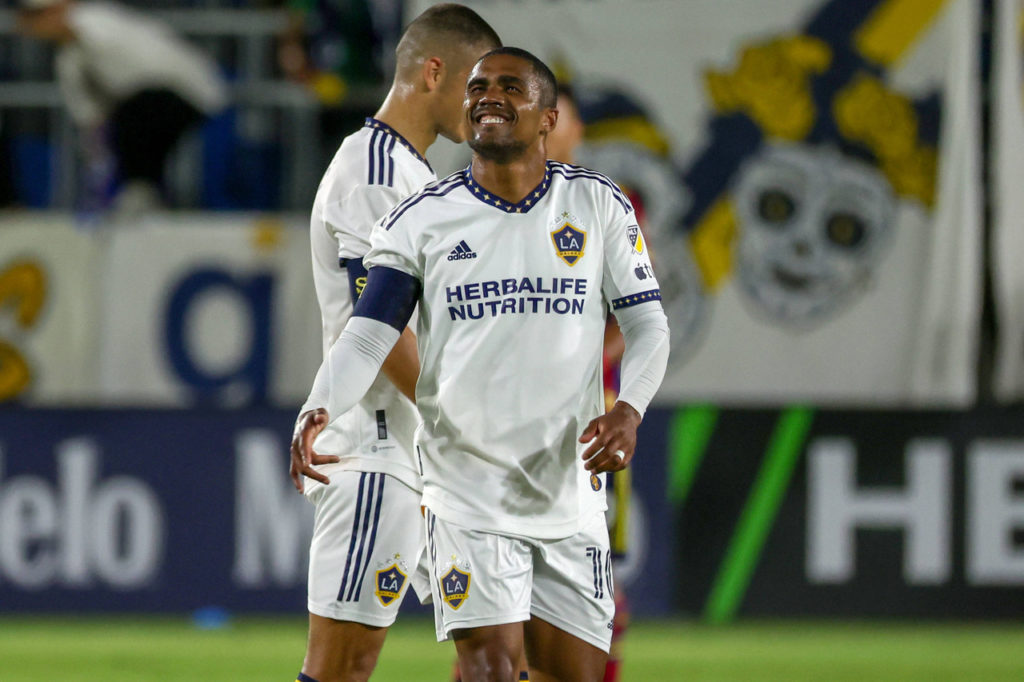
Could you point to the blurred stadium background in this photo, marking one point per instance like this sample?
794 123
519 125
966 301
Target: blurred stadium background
831 484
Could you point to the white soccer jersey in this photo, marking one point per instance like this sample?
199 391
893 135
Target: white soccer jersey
511 324
371 172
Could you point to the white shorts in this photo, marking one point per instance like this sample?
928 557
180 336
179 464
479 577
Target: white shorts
367 547
489 579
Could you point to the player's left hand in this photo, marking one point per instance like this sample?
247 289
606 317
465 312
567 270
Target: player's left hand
612 439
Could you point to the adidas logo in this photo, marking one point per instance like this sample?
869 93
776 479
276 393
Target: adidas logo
462 252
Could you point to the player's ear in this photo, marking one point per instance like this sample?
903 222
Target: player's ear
432 72
549 120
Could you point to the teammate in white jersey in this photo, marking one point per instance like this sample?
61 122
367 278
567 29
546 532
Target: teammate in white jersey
515 263
365 484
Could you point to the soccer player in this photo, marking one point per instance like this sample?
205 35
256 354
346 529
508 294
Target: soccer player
515 263
366 487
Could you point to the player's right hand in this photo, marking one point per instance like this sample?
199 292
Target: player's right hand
303 459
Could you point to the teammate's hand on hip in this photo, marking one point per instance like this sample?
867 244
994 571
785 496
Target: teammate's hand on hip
303 459
612 439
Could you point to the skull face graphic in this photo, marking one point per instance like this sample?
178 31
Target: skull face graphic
813 225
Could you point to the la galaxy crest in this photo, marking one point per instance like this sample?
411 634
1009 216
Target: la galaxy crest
389 581
569 240
455 586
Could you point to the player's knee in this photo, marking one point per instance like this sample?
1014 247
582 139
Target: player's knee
342 664
498 667
488 661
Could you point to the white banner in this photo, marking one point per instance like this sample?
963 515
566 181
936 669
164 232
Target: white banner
215 310
1007 198
182 310
809 174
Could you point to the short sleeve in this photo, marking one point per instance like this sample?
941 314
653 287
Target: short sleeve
352 218
394 244
628 276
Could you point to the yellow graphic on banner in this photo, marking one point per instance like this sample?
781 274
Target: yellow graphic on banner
884 121
712 243
771 84
637 129
894 27
22 293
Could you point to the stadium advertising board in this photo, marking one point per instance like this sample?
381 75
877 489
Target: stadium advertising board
735 512
864 513
136 510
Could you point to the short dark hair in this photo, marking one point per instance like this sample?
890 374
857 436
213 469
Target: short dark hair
449 24
548 84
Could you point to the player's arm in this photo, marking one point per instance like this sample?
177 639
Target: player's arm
402 365
353 362
612 436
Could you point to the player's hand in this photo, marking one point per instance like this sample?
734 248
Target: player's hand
307 428
612 439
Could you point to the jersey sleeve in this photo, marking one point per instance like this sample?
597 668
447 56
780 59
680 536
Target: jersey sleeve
351 218
394 244
628 276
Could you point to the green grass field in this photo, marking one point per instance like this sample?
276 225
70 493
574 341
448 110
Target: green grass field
167 650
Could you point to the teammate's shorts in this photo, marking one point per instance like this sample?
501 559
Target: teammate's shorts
488 579
367 544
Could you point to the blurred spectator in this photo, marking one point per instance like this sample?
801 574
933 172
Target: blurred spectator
130 84
331 46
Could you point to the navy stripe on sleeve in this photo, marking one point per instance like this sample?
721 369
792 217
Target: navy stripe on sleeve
635 299
372 171
436 189
381 160
390 296
391 164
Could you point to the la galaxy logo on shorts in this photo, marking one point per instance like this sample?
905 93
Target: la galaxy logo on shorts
389 584
595 482
455 587
569 240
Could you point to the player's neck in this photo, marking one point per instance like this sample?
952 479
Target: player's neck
514 180
405 116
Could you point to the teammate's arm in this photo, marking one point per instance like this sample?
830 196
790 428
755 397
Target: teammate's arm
353 362
402 365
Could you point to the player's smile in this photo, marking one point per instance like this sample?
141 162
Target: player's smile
488 115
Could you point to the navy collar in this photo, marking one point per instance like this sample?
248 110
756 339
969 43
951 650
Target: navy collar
524 206
381 125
